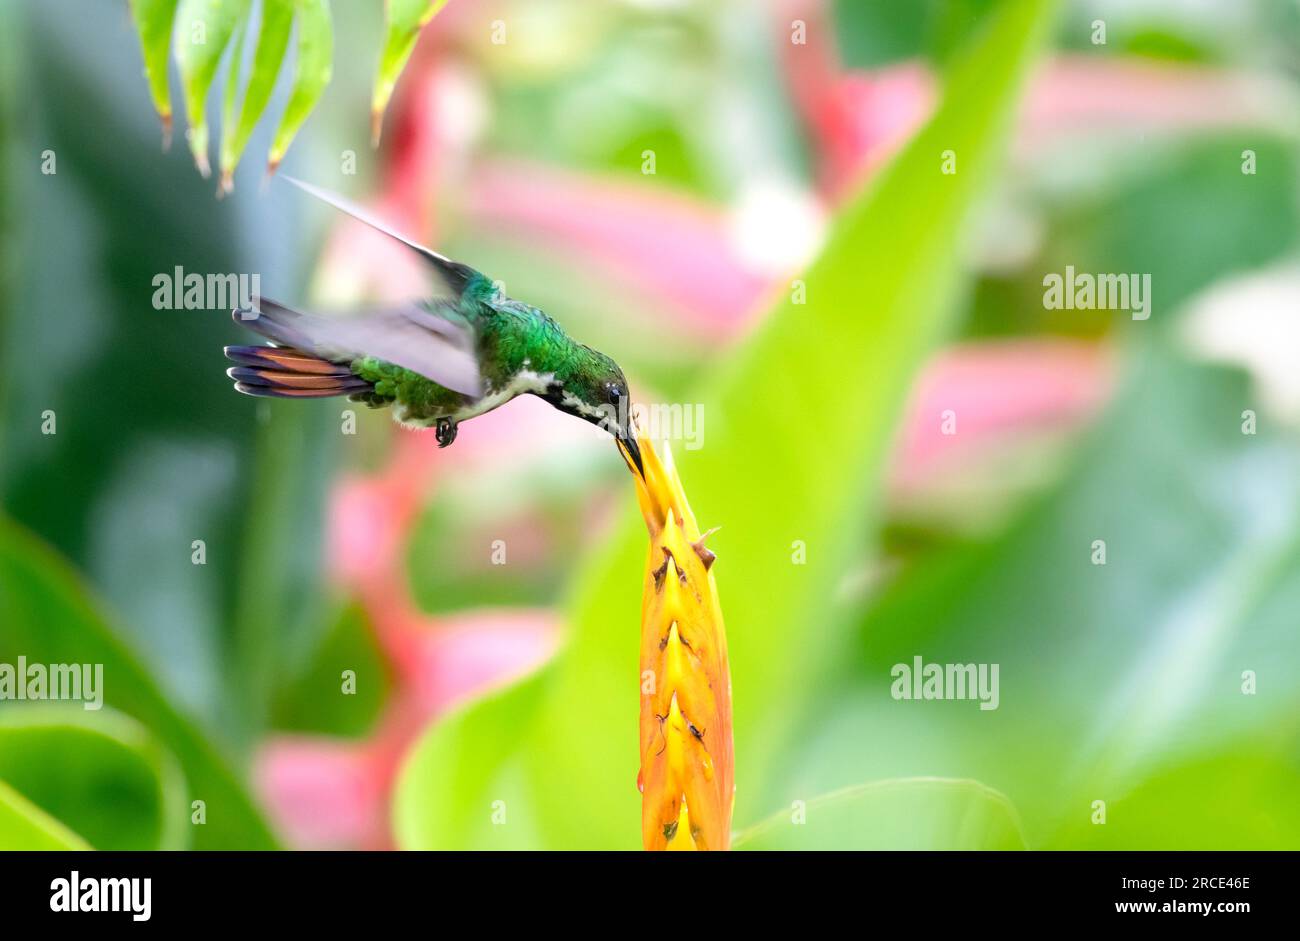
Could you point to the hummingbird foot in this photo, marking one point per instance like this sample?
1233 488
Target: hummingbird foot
445 431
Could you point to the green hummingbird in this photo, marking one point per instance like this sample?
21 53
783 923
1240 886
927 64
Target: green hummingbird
435 362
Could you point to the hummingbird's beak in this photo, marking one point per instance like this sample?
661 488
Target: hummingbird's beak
627 444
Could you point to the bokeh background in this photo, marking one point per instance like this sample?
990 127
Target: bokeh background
1164 683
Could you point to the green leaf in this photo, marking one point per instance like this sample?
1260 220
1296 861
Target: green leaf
828 374
230 100
405 19
153 21
47 616
272 42
449 789
24 826
312 73
898 814
98 772
204 29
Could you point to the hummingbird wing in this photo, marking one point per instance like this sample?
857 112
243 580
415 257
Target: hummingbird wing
453 275
410 335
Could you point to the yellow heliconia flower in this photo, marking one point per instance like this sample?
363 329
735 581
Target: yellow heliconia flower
686 777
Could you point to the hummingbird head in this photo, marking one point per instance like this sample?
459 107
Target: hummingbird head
597 392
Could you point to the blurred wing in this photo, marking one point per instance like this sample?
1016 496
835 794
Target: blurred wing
409 335
454 275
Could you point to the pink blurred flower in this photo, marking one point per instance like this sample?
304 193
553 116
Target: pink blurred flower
994 389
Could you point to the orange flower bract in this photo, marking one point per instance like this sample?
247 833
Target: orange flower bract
686 777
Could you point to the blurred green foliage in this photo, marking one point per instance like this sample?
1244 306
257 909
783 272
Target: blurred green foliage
308 699
1111 676
1177 208
151 450
1120 683
48 618
881 32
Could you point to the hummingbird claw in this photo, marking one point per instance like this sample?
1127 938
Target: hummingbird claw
445 432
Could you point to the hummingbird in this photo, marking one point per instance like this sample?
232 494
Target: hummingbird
436 361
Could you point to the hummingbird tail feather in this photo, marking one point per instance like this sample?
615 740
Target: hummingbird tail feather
288 373
412 335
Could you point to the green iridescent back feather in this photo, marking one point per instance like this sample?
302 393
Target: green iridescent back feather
510 337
